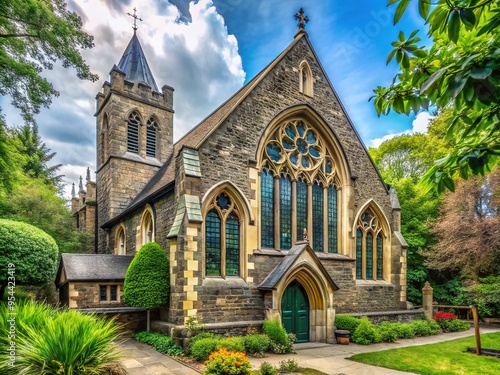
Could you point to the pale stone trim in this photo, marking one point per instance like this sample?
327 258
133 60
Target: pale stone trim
120 240
305 79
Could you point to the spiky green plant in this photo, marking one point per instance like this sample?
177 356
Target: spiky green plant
64 342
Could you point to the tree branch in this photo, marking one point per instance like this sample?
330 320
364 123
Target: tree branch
19 36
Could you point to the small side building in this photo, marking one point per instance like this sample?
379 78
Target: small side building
91 280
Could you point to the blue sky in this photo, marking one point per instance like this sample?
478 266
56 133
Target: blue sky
208 49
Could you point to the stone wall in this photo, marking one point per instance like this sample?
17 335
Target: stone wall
84 295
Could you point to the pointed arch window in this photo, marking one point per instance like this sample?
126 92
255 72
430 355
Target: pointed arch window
298 189
120 242
305 79
222 237
369 247
147 228
151 137
133 123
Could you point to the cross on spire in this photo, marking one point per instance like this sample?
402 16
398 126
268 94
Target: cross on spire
301 18
135 17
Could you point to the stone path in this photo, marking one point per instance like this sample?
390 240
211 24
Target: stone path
141 359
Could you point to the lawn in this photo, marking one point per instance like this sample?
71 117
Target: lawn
445 358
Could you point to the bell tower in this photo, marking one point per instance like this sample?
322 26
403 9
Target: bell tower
134 133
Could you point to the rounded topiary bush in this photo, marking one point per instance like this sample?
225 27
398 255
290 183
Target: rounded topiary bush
147 281
202 348
32 253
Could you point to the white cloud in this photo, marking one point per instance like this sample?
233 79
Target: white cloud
199 59
419 125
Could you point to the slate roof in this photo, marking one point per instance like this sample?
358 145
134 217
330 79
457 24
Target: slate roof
272 280
94 267
135 66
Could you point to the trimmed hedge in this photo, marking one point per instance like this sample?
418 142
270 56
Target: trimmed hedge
147 281
202 348
33 253
347 322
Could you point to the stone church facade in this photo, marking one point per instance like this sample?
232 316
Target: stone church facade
271 206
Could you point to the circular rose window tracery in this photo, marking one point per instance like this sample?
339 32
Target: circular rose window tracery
296 147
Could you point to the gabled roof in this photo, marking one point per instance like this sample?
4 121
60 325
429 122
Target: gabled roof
93 267
135 66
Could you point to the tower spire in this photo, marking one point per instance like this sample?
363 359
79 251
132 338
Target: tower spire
73 192
88 174
135 17
81 184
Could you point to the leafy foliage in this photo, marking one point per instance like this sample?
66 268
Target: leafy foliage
460 70
162 343
281 342
347 322
267 369
33 36
235 343
257 344
366 333
147 281
485 294
45 342
468 239
32 251
201 349
387 331
227 362
425 327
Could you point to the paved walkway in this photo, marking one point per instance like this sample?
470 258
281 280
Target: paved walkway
141 359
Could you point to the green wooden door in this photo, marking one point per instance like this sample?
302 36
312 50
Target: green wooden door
295 311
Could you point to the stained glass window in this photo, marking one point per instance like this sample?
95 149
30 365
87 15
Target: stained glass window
332 219
152 127
296 150
301 208
318 224
359 254
232 246
133 132
369 256
380 259
212 244
267 208
286 212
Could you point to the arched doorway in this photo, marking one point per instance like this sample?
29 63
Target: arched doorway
295 311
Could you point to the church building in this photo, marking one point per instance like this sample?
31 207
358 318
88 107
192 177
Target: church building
269 207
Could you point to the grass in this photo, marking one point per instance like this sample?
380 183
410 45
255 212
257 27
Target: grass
445 358
302 370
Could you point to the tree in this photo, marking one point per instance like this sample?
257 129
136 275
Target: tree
468 230
37 155
34 34
460 70
31 252
9 160
147 281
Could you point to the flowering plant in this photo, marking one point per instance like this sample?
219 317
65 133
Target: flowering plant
444 316
227 362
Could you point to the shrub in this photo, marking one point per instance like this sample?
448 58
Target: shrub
366 333
203 335
275 331
290 365
405 331
387 331
347 322
33 252
202 348
456 325
147 279
225 362
486 295
425 327
257 344
162 343
67 342
267 369
236 343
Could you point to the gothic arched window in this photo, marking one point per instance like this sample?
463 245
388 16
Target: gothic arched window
133 123
151 137
298 186
306 79
147 228
120 241
222 237
369 247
